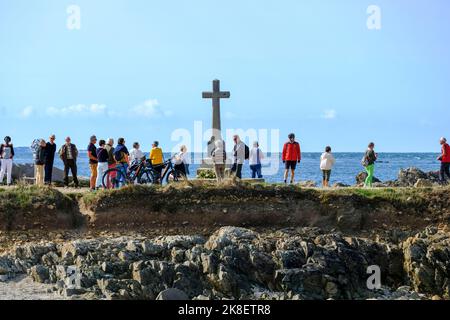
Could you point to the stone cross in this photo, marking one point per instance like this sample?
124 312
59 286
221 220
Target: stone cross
216 95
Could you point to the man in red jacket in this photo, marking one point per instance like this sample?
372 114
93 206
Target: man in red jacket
291 156
445 160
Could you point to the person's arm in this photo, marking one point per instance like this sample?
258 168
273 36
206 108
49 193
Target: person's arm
12 151
299 153
76 151
1 151
283 156
91 156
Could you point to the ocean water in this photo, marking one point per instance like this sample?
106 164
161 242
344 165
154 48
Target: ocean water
347 165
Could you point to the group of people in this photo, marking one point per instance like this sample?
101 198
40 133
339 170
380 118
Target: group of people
106 156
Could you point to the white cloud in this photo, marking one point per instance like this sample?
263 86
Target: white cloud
329 114
26 112
79 110
151 109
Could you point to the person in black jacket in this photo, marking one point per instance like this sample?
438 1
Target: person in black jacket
50 150
39 163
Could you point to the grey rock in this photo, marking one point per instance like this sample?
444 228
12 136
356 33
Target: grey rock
172 294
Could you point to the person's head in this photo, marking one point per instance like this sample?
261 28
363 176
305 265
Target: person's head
110 141
136 145
7 139
121 141
236 138
371 146
42 143
52 138
183 148
291 137
327 149
102 143
443 140
68 140
93 139
155 144
256 144
218 144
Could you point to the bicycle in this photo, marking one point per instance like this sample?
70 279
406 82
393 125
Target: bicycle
121 175
168 172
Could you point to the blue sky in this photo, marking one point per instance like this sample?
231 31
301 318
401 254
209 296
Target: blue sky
137 68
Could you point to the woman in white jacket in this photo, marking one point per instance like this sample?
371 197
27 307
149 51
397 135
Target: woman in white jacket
327 162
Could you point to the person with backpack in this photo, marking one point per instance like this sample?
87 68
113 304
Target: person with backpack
327 162
219 157
256 156
69 154
368 162
121 155
291 156
39 163
444 158
6 156
241 153
50 150
102 157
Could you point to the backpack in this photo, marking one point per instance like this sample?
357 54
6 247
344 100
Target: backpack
118 155
247 152
365 161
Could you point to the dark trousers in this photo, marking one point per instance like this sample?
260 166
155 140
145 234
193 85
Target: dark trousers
256 171
48 171
237 170
445 171
72 165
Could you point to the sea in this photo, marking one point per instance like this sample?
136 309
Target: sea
348 165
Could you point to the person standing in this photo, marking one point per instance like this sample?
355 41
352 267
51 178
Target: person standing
40 163
182 161
111 161
291 156
69 154
136 153
219 157
102 157
93 161
6 156
239 155
50 150
445 160
156 157
121 155
256 156
327 162
369 163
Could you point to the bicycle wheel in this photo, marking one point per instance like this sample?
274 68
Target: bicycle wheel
113 179
146 177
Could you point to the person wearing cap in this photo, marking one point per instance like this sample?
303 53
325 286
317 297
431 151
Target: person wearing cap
238 156
50 150
156 157
93 161
69 154
6 156
291 156
445 160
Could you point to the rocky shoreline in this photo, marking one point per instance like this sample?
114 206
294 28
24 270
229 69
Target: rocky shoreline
238 263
